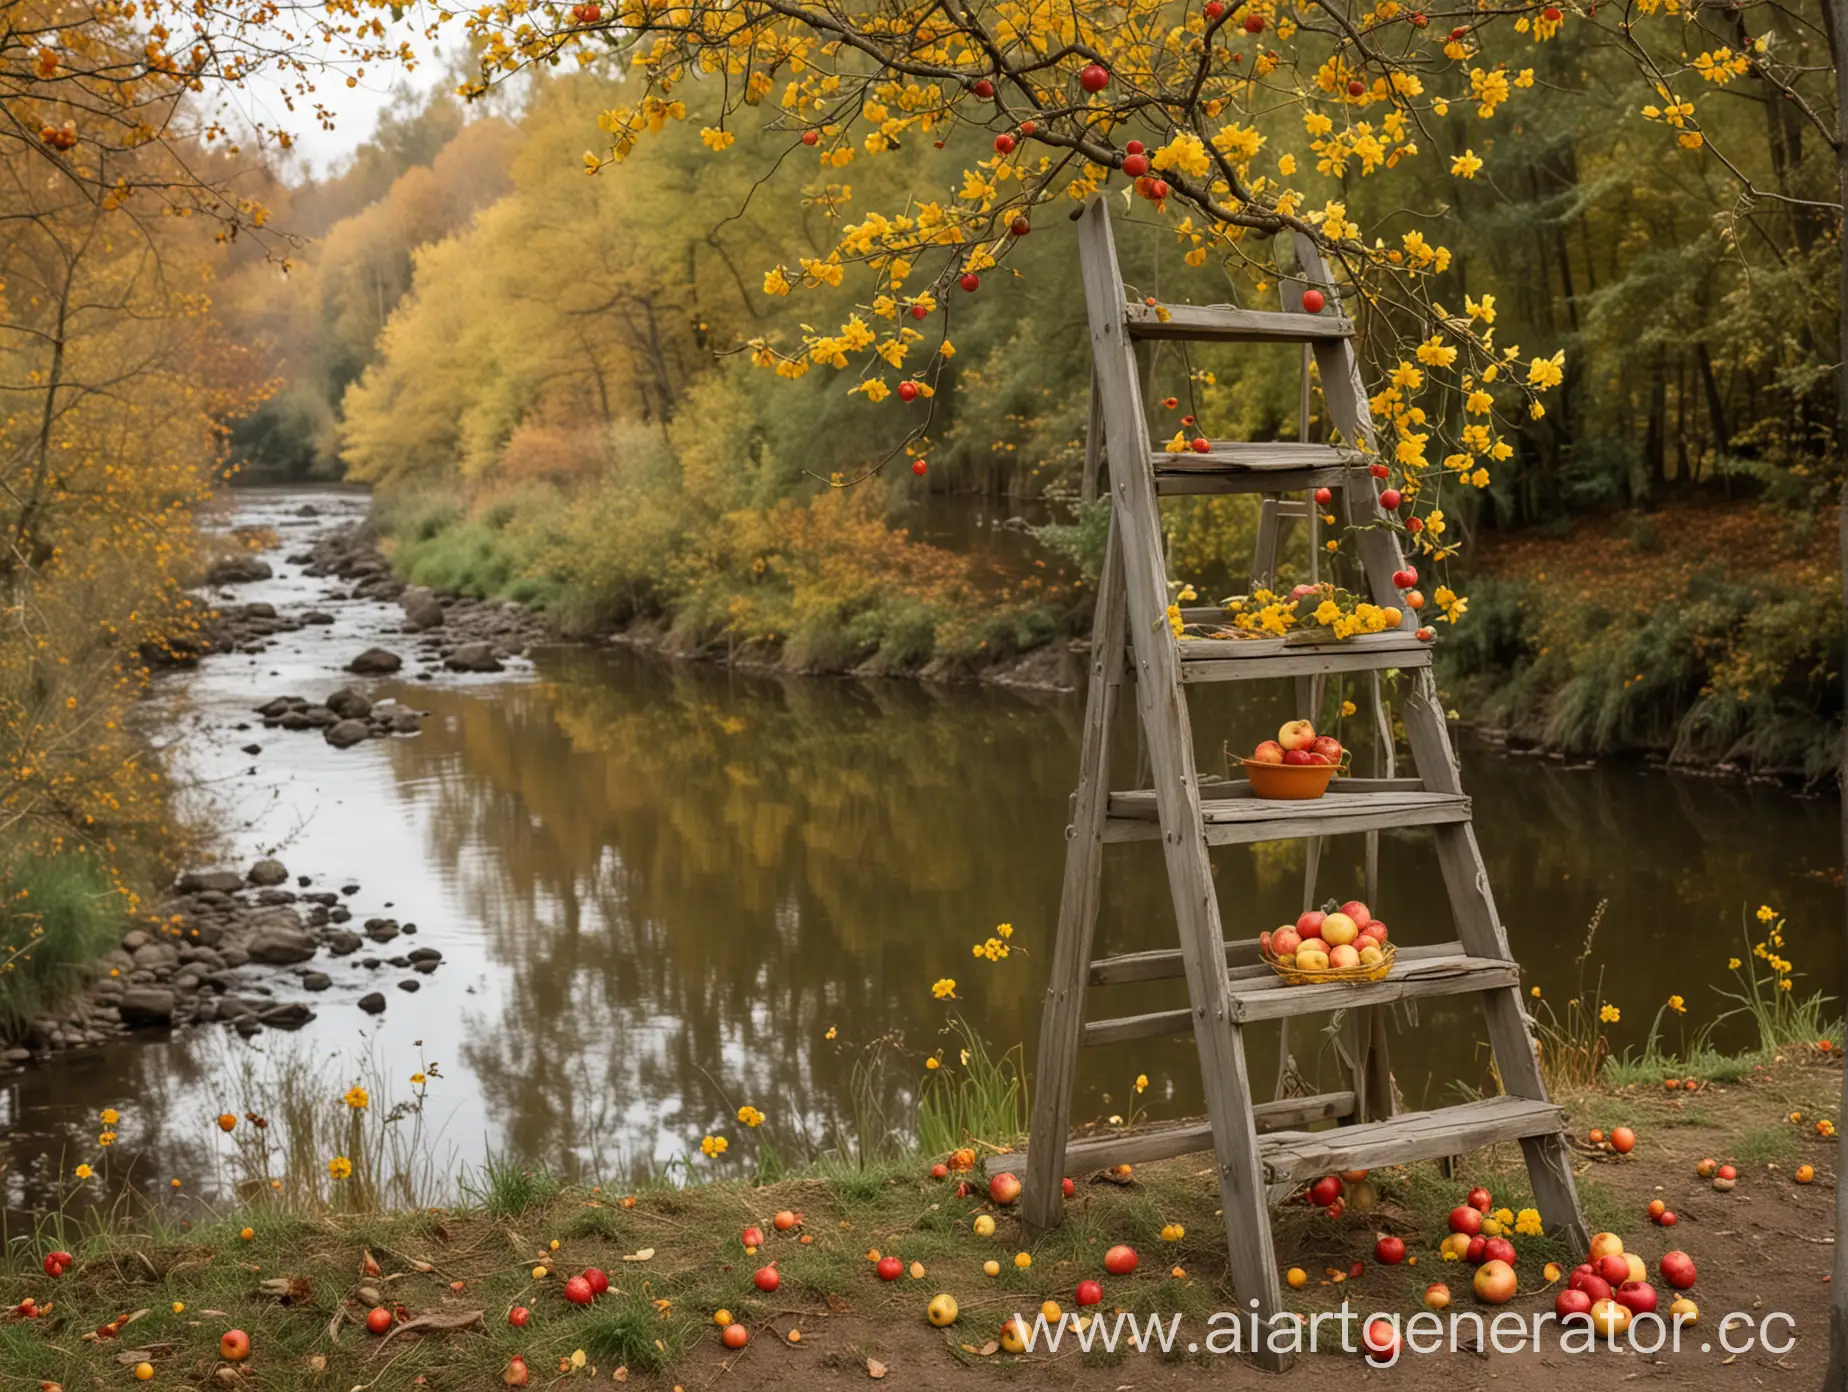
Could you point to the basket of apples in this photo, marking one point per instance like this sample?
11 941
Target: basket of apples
1345 943
1297 765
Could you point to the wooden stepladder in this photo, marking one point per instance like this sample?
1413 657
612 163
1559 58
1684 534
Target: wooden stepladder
1264 1150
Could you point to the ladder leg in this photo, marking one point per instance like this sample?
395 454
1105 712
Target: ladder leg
1062 1023
1549 1163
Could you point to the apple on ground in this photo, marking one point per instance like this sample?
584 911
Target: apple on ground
1325 1191
1466 1220
1004 1188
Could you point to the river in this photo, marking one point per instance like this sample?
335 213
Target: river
665 889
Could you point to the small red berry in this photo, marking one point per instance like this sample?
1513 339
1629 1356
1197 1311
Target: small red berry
1135 164
1004 144
1324 496
1551 14
1419 21
918 311
1390 499
1094 78
811 137
1314 301
1378 470
970 282
1158 190
378 1320
1254 24
1028 127
1357 88
1213 9
1132 147
982 87
1201 444
917 467
908 391
1020 227
1459 33
1414 524
1425 635
1067 1187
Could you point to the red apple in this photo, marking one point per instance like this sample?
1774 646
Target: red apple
515 1373
939 1171
765 1278
1089 1293
734 1336
578 1291
1478 1198
1067 1187
1571 1302
1310 924
752 1237
1375 929
1592 1284
1094 77
1269 752
1004 1188
599 1282
1325 1191
1638 1297
1389 1251
1120 1260
1362 916
1328 747
1498 1249
378 1320
1613 1269
890 1268
785 1220
518 1316
1285 941
1299 758
1677 1269
1478 1250
1466 1220
234 1346
1313 300
1382 1341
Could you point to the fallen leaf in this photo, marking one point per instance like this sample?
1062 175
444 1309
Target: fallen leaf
291 1290
146 1354
989 1348
837 1304
369 1264
317 1362
436 1324
875 1369
646 1254
422 1266
621 1374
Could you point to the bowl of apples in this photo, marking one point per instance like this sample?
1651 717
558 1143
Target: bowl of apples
1338 943
1299 764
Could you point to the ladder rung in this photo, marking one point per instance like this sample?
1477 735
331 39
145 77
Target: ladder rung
1259 457
1224 324
1188 483
1293 1156
1452 972
1166 1140
1250 659
1240 818
1241 958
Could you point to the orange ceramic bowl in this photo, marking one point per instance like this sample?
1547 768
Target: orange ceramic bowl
1289 782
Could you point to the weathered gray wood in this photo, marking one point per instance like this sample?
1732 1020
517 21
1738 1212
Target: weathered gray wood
1408 1137
1259 457
1296 662
1163 709
1063 1016
1243 821
1411 979
1153 1025
1241 959
1264 554
1224 324
1402 648
1166 1140
1187 483
1093 447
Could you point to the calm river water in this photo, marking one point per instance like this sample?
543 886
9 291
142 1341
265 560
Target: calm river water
658 886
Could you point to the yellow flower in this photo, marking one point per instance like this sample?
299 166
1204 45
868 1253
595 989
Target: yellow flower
714 1146
1005 930
84 1172
944 988
715 139
1527 1223
1610 1014
1465 165
933 1063
356 1098
1142 1082
832 1032
1678 1005
106 1138
750 1116
1733 964
1534 991
110 1116
418 1079
1348 708
1825 1127
173 1184
1766 913
340 1167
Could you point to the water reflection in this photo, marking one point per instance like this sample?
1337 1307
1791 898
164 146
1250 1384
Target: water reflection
658 886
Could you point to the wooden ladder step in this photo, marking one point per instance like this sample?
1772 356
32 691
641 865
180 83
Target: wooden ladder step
1165 1140
1252 659
1233 817
1224 324
1292 1156
1258 993
1264 466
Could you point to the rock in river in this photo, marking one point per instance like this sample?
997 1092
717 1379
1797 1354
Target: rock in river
267 872
373 1003
237 570
279 946
348 704
287 1017
473 657
375 662
348 733
141 1006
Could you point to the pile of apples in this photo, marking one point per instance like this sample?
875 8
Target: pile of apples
1297 743
1612 1287
1349 936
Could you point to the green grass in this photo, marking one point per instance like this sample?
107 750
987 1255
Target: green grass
59 915
1766 1145
506 1188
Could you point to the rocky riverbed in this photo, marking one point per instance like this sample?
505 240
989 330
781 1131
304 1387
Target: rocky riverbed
253 948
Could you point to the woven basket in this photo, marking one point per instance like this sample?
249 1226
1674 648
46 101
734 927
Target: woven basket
1376 972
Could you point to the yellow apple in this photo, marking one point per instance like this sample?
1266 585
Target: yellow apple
1296 734
1311 959
1371 956
1338 928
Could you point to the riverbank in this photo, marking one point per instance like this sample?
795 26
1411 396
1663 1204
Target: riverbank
468 1287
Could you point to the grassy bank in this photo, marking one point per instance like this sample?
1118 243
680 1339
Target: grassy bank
62 913
1703 632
